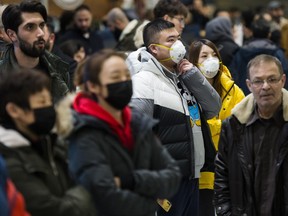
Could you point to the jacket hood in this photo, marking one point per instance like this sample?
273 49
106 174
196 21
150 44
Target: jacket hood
246 54
64 120
244 109
140 122
260 44
12 138
143 60
219 29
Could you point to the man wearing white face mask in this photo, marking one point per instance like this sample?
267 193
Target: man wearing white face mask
175 92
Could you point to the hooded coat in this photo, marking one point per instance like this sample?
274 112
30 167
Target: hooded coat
219 31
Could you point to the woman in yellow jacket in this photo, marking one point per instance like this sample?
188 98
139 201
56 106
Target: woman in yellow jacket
206 57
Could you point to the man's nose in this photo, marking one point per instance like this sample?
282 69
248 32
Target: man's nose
40 32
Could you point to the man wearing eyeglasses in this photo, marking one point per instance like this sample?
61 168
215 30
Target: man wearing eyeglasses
251 167
173 11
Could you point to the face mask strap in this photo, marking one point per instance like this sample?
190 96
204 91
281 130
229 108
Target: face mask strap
167 59
165 47
162 46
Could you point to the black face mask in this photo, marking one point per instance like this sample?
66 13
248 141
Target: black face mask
44 120
117 32
119 94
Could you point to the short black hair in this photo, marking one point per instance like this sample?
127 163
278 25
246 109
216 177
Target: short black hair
152 29
50 25
170 7
82 7
71 47
12 15
260 28
17 87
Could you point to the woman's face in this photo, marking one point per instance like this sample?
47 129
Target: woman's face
114 70
79 55
206 52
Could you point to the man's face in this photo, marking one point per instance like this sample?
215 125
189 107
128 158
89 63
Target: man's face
276 14
83 20
267 95
30 35
167 38
178 21
115 29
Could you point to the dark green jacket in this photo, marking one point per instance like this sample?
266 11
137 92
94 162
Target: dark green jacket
58 71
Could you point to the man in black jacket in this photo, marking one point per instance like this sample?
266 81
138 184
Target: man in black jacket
83 31
24 24
251 165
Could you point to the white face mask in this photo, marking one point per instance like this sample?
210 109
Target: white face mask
177 51
210 67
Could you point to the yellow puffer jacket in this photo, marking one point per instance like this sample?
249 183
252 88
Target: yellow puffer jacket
230 97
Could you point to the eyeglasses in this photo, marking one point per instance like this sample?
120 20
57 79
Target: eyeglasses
180 19
270 81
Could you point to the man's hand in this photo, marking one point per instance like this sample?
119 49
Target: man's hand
183 66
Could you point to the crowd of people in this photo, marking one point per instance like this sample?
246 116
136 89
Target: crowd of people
179 110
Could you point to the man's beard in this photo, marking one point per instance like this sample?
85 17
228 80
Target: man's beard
32 51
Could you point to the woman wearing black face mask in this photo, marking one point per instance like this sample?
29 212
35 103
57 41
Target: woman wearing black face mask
113 151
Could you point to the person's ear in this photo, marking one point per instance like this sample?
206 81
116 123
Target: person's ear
249 85
93 88
12 35
283 80
153 49
13 110
52 38
166 17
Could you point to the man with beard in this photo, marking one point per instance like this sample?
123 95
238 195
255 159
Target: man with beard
83 31
24 24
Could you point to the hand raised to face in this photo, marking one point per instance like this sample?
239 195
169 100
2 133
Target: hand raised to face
183 66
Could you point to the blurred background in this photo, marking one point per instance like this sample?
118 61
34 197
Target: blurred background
101 7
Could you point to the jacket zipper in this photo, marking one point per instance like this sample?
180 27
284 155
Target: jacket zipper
50 157
190 132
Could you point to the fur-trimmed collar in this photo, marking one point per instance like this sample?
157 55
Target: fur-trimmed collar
244 109
64 120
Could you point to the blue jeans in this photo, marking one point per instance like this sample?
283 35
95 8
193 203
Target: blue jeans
186 201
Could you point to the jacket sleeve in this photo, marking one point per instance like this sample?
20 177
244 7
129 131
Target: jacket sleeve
221 184
91 168
143 95
204 93
163 179
41 201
